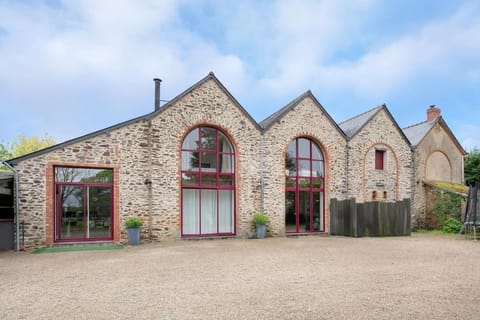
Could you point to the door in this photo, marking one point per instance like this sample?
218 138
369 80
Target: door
304 183
84 212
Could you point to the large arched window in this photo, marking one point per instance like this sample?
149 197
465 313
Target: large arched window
208 183
304 194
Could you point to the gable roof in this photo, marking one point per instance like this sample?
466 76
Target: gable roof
146 117
417 132
355 124
268 122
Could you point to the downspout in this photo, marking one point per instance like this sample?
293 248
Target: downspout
17 207
262 181
148 182
347 169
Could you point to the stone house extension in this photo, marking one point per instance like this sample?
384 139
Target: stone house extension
437 156
200 166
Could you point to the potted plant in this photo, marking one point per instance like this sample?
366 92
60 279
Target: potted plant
133 225
260 220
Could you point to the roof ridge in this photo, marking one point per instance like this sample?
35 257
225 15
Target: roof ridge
361 114
414 125
270 119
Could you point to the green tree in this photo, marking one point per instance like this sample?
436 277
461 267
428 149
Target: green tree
4 155
24 145
472 167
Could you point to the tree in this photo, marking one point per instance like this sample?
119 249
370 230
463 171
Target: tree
23 145
472 167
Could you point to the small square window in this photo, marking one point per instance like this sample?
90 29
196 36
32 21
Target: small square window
379 159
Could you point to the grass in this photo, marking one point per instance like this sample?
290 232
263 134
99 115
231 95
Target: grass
434 232
77 248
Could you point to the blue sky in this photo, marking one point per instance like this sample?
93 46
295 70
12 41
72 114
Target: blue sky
68 68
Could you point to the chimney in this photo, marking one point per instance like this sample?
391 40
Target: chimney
433 113
157 93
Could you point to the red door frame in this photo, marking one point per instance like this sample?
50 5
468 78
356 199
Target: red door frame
297 188
58 216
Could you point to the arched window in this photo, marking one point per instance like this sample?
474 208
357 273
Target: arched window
208 183
304 196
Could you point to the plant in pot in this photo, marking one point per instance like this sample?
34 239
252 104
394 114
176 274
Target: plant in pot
260 220
133 225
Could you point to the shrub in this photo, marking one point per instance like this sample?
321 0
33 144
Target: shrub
260 218
451 225
133 222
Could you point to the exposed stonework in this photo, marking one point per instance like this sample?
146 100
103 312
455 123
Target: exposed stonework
379 133
145 156
305 120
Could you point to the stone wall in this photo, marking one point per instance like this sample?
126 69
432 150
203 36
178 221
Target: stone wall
380 133
436 142
306 119
146 150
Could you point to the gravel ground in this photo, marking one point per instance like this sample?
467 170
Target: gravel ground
417 277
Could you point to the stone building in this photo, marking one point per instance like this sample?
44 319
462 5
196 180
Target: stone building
437 156
379 157
200 166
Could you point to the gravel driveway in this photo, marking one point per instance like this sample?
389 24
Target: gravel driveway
417 277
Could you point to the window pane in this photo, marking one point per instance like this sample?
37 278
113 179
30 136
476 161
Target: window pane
304 183
317 183
290 183
226 163
316 153
290 167
304 168
317 168
190 211
290 215
304 211
191 140
189 161
99 212
209 180
209 211
209 162
224 144
226 180
208 139
291 149
318 211
72 216
64 174
303 148
225 211
189 178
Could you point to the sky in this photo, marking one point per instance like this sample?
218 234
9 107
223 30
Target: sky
68 68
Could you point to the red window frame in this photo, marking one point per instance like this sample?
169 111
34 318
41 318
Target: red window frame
379 159
84 185
214 181
297 178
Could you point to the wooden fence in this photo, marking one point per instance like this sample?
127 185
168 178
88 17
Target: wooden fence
369 219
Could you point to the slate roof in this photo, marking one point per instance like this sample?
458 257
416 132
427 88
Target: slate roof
145 117
355 124
417 132
278 115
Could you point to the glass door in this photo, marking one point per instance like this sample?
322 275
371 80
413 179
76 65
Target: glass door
84 212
